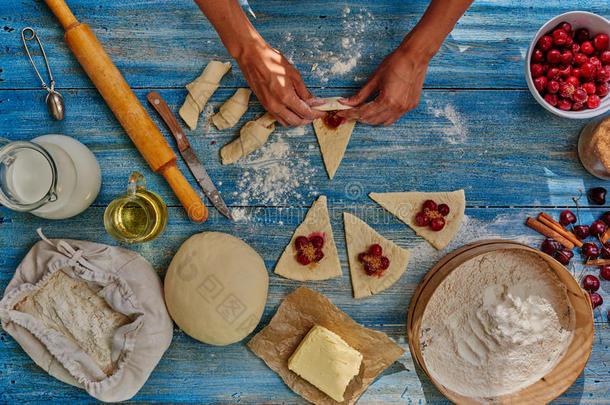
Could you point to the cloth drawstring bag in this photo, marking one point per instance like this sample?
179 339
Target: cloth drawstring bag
131 290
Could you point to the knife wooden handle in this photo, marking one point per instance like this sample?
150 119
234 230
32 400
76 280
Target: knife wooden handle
157 102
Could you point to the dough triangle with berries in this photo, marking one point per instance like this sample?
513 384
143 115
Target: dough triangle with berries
333 142
316 222
359 237
406 205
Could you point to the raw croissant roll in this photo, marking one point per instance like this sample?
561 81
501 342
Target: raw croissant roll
232 110
252 136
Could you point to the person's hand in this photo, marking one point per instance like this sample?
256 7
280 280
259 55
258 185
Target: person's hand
398 83
278 86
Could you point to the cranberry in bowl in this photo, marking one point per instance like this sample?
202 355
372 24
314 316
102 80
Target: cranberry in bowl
567 67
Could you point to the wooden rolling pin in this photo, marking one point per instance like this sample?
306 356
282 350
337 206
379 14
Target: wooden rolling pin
127 108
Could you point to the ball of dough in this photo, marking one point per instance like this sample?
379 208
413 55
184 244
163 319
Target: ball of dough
216 288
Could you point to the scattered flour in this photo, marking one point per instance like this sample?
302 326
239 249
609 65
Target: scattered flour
206 117
457 132
296 131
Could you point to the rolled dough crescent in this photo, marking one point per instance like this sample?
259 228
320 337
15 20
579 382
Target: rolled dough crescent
405 205
232 110
316 220
200 91
252 136
332 104
359 236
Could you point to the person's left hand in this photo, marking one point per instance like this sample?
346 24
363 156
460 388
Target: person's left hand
398 82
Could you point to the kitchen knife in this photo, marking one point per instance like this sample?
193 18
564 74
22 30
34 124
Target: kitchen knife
189 156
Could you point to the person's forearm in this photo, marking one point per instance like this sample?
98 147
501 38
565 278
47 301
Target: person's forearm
437 22
232 25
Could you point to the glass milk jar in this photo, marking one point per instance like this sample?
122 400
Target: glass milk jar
53 176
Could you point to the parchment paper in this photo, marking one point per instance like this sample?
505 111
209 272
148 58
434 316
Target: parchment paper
298 313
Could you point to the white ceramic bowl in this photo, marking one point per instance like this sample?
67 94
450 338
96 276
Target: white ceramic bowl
578 19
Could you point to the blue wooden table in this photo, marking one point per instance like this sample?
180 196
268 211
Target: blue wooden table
477 127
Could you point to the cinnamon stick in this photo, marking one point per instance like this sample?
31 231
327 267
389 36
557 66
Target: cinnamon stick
548 232
598 262
557 227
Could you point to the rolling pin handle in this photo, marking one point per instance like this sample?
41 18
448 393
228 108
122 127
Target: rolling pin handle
195 208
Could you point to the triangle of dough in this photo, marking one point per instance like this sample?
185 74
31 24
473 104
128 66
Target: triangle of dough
316 220
359 236
405 205
333 143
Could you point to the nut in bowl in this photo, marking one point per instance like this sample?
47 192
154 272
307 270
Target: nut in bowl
567 67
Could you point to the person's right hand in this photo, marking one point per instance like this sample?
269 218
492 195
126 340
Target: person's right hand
278 85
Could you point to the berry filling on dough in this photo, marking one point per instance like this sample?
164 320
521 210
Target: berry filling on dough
373 260
332 120
432 215
309 249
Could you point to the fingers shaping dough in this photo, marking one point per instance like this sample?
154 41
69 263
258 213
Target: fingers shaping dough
232 110
252 136
200 91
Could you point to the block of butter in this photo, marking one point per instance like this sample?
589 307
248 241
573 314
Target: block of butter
326 361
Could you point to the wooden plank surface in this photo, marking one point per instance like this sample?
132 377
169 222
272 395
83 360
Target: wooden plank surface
477 127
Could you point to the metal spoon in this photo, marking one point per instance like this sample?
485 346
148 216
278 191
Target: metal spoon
54 100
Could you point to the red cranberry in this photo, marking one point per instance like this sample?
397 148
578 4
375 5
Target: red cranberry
597 195
575 48
596 300
590 250
593 101
564 25
605 57
537 56
551 99
550 246
317 241
540 83
580 58
603 75
319 256
443 209
553 74
588 70
573 80
552 86
564 104
581 231
598 228
545 43
553 56
578 106
605 272
566 90
421 219
384 263
601 42
361 257
587 48
582 35
301 242
579 96
602 89
437 224
303 259
564 256
589 87
566 57
606 217
375 250
567 217
429 205
560 37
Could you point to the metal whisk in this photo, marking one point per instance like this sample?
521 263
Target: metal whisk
54 100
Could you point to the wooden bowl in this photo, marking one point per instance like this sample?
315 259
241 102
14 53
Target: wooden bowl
554 383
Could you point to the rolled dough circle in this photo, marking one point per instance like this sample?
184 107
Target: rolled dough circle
216 288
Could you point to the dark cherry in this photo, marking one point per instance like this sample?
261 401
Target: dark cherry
332 120
590 283
550 246
566 26
369 269
375 250
301 242
317 241
443 209
567 217
319 255
598 228
421 219
606 217
601 42
564 256
596 300
605 250
303 259
437 224
361 257
581 35
384 263
581 231
537 56
590 250
597 195
430 205
605 272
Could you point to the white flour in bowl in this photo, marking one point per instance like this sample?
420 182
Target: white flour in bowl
498 323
